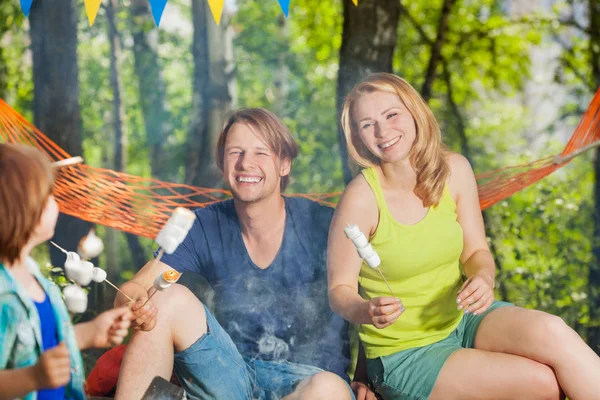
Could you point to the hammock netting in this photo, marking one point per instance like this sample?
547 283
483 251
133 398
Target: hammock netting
141 206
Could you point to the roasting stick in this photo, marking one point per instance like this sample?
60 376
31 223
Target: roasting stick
67 162
169 238
71 255
365 250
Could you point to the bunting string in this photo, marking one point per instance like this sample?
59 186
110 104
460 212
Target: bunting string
158 7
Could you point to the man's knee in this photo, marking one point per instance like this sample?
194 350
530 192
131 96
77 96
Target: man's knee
181 318
325 385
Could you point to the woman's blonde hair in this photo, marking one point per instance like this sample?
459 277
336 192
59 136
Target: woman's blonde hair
427 155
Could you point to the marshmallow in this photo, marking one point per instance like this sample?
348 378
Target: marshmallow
98 275
79 271
176 229
365 250
166 279
75 298
373 261
352 231
91 246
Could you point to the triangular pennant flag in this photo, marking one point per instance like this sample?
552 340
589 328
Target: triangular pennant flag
91 8
355 2
216 8
26 6
158 6
285 6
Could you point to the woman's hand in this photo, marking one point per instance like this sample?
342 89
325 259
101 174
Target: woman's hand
476 294
384 311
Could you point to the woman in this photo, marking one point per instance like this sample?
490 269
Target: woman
444 338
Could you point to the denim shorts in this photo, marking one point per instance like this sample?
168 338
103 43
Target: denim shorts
411 374
213 368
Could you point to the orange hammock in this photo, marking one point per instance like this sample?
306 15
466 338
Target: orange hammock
141 206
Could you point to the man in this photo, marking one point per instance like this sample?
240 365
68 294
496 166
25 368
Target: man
273 334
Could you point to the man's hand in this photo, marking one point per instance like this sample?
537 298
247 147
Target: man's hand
53 368
144 317
362 391
384 311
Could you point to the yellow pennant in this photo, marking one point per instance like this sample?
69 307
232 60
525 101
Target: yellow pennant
216 7
355 2
91 8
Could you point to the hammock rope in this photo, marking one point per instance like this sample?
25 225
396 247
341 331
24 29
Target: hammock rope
141 206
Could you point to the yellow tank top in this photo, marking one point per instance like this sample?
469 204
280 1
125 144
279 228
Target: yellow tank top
421 264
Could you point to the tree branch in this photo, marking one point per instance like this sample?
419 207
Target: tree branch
436 49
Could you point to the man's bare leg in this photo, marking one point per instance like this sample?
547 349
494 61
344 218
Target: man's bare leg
181 321
321 386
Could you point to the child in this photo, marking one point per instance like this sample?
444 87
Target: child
39 353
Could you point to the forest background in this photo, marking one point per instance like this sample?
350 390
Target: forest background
507 80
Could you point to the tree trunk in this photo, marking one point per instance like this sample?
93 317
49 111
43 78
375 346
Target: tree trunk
151 88
53 30
593 335
436 49
120 136
213 95
368 40
281 87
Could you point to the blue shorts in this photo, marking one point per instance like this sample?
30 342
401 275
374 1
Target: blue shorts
411 374
213 368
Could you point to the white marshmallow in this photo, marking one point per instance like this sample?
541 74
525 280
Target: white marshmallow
161 283
358 238
373 261
72 256
98 275
365 250
91 246
176 229
79 271
75 298
352 231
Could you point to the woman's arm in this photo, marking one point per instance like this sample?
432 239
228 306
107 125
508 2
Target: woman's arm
477 293
356 206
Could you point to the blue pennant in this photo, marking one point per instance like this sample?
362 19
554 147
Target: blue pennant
158 6
285 6
26 6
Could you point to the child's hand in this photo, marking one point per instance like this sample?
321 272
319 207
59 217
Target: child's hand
53 369
110 327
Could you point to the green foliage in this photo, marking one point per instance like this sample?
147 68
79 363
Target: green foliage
306 48
16 82
542 234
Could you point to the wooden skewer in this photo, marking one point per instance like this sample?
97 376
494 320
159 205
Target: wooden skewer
106 280
67 161
119 290
58 247
158 257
